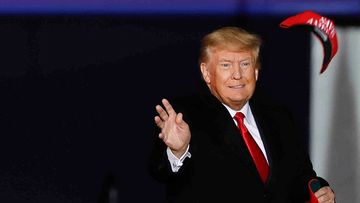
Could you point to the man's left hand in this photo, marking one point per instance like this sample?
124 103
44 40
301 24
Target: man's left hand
325 195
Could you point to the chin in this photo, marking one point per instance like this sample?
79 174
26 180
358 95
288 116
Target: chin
238 99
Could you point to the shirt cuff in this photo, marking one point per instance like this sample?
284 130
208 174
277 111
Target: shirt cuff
175 162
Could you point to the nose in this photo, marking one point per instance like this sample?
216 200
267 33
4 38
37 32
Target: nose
237 74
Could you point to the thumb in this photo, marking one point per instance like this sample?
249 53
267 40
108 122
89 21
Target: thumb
179 119
314 186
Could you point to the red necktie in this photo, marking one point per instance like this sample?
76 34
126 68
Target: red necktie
256 153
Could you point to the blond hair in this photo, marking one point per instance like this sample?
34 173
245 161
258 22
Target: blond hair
232 39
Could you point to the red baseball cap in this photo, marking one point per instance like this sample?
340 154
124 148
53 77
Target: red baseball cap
323 27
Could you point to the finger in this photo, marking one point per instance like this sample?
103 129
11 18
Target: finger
169 109
179 118
325 194
161 136
325 199
159 122
322 191
162 113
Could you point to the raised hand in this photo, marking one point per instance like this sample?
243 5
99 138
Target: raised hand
175 131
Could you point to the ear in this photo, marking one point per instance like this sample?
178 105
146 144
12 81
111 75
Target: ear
256 73
205 72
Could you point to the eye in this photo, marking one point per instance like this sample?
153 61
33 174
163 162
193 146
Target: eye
225 65
245 64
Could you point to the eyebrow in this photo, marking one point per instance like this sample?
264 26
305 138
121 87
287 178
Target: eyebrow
245 59
224 59
229 60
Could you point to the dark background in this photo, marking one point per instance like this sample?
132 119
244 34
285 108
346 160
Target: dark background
78 96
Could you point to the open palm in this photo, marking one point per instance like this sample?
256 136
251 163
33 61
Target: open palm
175 131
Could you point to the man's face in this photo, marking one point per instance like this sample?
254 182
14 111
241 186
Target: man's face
231 76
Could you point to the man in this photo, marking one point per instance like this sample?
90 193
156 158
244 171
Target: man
225 147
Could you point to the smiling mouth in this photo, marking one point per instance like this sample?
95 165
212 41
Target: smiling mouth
237 86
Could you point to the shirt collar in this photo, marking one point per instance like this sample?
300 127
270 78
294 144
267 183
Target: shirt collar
245 110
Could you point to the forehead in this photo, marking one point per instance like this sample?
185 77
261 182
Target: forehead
223 54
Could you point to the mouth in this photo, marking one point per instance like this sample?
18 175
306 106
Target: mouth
237 86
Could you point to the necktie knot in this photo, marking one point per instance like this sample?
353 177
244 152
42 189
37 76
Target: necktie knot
239 117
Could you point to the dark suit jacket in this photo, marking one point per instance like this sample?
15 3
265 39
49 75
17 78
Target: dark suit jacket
221 168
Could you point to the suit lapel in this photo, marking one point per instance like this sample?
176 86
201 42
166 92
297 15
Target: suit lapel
264 123
223 129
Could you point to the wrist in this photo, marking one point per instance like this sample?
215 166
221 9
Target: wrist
180 152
